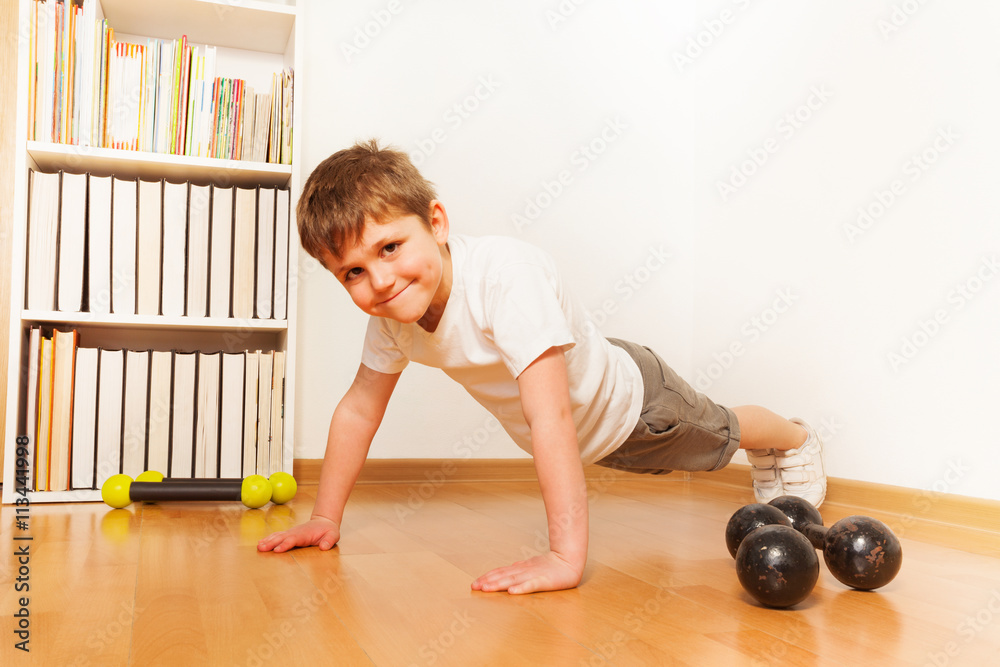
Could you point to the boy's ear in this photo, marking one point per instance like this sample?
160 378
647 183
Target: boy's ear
439 222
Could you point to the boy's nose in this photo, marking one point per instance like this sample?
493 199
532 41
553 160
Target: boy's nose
381 279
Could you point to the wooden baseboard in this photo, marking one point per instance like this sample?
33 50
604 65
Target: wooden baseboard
908 505
404 471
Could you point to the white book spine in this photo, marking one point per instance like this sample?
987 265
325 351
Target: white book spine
250 414
84 418
182 428
135 406
175 207
111 392
281 230
149 234
99 245
198 243
222 250
231 446
123 245
265 252
43 227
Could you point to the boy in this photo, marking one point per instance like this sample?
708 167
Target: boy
493 313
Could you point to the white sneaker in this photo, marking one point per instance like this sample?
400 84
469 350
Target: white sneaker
766 478
801 471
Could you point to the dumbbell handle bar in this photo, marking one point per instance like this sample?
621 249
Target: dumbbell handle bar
203 489
816 534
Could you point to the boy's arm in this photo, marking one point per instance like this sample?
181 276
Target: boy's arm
352 428
544 389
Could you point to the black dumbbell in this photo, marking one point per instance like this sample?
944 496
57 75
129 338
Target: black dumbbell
861 552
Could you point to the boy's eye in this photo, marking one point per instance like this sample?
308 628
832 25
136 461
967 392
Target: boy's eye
390 248
352 273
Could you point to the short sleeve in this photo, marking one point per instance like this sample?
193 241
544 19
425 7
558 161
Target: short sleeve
526 314
383 350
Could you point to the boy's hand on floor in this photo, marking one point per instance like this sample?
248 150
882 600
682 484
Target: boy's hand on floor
548 572
317 531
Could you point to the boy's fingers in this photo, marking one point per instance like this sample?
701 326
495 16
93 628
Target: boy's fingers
268 542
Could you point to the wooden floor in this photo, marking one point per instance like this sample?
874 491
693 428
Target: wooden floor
182 584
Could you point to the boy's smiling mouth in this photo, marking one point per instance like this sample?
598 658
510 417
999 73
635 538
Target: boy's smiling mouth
391 298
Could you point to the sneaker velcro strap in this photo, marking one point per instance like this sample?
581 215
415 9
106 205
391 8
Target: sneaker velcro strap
794 460
762 460
764 474
798 476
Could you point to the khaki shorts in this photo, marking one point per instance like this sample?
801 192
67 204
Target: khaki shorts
678 429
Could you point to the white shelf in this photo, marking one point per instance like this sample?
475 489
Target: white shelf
78 496
151 321
238 24
154 166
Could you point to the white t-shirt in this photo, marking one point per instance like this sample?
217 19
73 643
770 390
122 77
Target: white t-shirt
507 306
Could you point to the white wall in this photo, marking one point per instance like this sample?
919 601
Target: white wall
683 95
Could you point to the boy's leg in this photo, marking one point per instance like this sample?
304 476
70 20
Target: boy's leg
786 456
762 429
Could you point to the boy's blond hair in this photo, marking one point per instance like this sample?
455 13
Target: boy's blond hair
361 184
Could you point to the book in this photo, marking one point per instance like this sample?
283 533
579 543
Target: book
281 259
85 419
288 81
250 413
160 400
247 148
43 443
220 283
233 394
134 412
206 445
30 415
63 366
99 245
199 211
175 209
266 360
277 410
43 228
149 233
72 235
185 395
124 194
110 393
265 253
244 249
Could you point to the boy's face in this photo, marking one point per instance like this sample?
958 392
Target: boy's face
400 269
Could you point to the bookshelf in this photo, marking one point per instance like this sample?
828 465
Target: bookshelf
253 39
